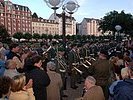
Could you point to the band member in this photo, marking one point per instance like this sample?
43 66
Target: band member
73 60
52 51
101 71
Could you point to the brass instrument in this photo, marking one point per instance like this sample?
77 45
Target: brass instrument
84 65
78 70
88 62
47 50
63 66
93 59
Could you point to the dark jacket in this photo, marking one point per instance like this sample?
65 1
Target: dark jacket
40 82
124 90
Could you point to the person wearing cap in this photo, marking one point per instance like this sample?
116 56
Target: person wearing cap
101 71
61 68
52 51
73 61
55 84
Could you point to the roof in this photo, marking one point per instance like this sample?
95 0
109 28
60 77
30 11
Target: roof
43 20
15 6
89 19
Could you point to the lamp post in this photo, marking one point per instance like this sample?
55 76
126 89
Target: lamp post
70 6
118 28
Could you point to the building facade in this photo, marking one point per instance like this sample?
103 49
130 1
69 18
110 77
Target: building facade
44 26
70 23
89 26
16 18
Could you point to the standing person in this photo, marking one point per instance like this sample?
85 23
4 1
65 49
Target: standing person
5 87
101 71
52 51
20 90
73 61
40 78
55 84
124 89
2 49
11 69
92 91
2 65
14 49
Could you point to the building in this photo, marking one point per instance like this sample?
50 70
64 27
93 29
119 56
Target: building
44 26
89 26
16 18
70 23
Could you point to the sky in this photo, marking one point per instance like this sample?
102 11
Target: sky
88 8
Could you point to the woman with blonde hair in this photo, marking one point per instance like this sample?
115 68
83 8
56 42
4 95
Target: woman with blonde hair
21 90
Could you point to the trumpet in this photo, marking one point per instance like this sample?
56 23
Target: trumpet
88 62
47 50
93 59
78 70
63 66
85 65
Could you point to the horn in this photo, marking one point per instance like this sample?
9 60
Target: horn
47 50
78 70
85 65
88 62
93 59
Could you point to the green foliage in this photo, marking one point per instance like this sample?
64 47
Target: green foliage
36 36
3 33
44 36
50 36
56 36
68 37
18 35
27 36
114 18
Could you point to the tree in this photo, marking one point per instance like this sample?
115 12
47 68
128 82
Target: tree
18 35
44 36
50 36
56 36
34 15
36 36
4 35
27 36
114 18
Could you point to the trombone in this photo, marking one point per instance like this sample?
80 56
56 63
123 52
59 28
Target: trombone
78 70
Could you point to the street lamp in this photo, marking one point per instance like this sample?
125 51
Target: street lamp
70 6
118 28
54 4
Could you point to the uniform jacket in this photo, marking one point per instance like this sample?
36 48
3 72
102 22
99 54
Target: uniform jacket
101 71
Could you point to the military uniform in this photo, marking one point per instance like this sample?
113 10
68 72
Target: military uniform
61 67
73 60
